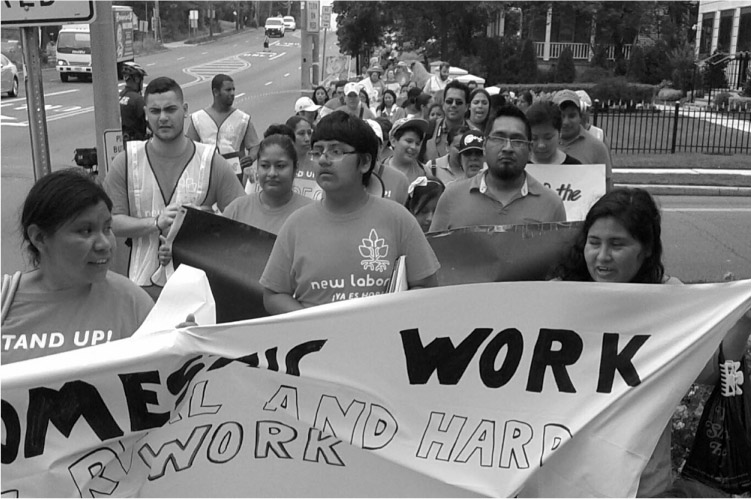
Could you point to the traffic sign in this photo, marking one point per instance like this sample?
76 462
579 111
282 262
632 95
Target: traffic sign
313 16
49 13
326 16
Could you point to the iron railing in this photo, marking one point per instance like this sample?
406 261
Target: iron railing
674 128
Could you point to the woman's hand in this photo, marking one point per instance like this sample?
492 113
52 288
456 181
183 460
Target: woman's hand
190 321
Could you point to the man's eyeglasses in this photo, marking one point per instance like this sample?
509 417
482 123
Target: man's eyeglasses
497 140
334 154
451 102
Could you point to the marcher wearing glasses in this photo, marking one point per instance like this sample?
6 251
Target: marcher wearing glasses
455 105
345 245
504 193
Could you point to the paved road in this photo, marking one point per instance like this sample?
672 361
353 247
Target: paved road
705 237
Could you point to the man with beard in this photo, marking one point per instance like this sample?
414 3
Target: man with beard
225 126
503 194
150 180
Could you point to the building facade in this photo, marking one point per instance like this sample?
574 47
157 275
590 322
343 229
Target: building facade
725 26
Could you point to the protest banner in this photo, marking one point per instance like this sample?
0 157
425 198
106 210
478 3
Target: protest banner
530 388
579 186
233 255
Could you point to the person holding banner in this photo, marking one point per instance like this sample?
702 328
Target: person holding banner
151 179
276 170
70 299
545 119
504 193
225 126
344 246
620 242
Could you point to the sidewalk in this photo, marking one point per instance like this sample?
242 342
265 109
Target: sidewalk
686 181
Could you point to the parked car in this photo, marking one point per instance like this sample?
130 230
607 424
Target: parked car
274 26
9 77
289 23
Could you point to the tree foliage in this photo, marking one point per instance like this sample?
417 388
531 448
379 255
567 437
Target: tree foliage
528 62
565 70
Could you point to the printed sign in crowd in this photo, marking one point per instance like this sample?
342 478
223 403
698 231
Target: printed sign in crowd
501 389
579 186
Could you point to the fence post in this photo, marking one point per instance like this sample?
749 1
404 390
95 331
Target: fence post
675 128
594 114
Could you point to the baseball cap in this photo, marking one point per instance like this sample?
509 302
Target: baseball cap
376 128
352 87
584 99
566 95
471 140
418 123
306 104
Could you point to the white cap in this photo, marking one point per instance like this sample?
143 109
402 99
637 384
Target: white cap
376 128
352 87
306 104
584 99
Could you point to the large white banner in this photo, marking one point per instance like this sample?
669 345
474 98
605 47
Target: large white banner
579 186
500 389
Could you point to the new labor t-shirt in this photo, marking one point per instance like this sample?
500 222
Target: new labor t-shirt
321 257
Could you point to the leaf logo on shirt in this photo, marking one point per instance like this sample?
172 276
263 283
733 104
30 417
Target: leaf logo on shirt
374 250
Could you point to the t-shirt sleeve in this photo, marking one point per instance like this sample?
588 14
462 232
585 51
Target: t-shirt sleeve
232 209
116 185
421 259
226 186
441 214
277 276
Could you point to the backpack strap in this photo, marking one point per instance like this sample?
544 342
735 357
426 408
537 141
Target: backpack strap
9 288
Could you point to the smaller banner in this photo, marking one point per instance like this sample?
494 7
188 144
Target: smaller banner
579 186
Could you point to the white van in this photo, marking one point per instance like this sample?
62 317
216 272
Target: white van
274 26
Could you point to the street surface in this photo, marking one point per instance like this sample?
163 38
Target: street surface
705 238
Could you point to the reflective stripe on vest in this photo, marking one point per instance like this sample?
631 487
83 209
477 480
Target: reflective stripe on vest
146 201
228 137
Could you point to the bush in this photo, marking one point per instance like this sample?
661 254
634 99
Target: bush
594 74
669 94
714 74
620 89
565 70
656 63
747 87
682 65
637 68
721 100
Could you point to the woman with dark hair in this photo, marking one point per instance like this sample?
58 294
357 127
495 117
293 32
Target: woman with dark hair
545 121
70 299
620 242
276 170
479 109
320 96
388 107
364 98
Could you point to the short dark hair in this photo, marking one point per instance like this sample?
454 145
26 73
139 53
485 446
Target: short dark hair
218 81
545 113
351 130
444 65
452 133
279 129
386 126
510 111
295 120
162 85
282 140
56 199
340 83
637 212
459 86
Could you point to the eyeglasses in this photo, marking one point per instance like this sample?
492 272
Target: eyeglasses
497 140
334 154
451 102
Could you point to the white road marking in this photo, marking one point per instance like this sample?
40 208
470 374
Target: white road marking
710 210
286 75
684 171
3 117
277 56
239 95
268 83
204 53
69 109
180 58
151 64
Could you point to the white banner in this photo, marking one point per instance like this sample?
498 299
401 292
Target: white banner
503 389
579 186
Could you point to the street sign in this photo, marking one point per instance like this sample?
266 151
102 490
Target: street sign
313 16
49 13
113 145
326 16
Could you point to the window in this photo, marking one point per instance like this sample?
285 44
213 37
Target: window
726 28
705 42
744 31
67 42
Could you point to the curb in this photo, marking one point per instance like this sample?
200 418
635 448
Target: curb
691 190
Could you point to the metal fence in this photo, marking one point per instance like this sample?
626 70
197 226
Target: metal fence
671 129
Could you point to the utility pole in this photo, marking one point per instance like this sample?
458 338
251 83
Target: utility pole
157 22
40 149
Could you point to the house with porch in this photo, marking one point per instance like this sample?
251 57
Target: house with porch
725 26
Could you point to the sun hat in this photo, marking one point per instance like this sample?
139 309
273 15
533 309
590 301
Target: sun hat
375 68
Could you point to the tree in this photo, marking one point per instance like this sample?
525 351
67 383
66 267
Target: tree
361 25
637 69
565 70
528 62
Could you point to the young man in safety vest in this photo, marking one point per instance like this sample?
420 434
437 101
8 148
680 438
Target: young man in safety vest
226 126
150 180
